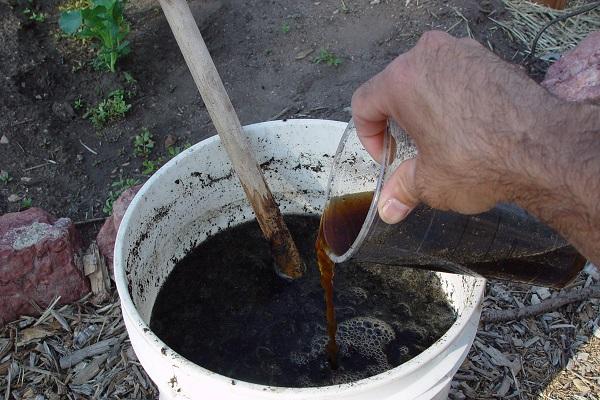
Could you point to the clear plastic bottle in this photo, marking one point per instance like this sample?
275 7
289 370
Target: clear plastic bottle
504 243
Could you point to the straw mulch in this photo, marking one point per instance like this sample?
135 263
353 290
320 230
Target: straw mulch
527 19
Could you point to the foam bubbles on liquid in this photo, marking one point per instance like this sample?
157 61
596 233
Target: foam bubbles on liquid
368 336
360 337
299 358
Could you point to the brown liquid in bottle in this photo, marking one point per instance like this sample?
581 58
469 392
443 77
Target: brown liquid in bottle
340 224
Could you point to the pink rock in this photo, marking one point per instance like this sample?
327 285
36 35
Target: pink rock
38 261
108 233
576 76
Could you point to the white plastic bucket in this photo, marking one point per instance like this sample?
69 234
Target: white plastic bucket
196 195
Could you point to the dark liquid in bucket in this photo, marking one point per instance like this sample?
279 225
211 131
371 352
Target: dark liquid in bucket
224 308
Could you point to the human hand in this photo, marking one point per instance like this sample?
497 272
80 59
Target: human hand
469 114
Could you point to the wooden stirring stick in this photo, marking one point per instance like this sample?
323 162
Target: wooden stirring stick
227 124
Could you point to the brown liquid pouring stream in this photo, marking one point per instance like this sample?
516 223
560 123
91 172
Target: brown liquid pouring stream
340 224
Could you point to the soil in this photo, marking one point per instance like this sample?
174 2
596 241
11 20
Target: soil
264 51
228 312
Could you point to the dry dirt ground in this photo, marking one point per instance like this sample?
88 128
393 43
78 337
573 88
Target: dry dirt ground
261 49
264 51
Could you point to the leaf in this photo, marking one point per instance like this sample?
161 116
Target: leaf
32 334
70 21
581 386
123 48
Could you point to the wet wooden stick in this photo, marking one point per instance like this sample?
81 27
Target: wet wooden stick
227 124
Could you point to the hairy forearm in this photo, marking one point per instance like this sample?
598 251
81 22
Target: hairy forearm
558 174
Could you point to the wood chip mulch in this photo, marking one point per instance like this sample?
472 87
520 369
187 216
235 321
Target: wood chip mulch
77 351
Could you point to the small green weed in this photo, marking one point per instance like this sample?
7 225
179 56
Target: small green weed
285 27
103 21
78 104
34 16
327 57
344 7
129 78
143 143
5 177
110 109
172 151
26 203
151 166
117 187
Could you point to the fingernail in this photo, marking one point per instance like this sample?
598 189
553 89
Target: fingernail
393 211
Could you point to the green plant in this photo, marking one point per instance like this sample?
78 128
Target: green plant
78 104
327 57
285 27
143 143
103 21
112 108
31 14
344 7
26 203
117 187
34 16
172 151
5 177
129 78
151 166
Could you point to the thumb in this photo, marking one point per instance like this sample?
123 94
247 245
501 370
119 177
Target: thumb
399 196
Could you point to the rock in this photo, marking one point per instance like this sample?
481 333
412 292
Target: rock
39 260
542 292
108 233
170 140
576 76
13 198
303 54
535 299
64 111
4 140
